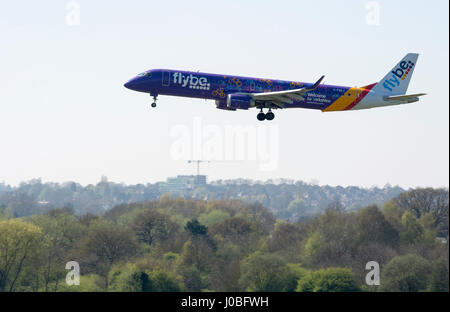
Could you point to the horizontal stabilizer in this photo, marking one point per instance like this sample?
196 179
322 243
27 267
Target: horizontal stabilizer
403 98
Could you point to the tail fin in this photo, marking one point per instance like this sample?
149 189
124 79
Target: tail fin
397 80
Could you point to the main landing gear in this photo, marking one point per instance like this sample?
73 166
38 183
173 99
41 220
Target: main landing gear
155 96
269 116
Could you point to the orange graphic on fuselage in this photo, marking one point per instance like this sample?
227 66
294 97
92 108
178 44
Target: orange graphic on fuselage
219 92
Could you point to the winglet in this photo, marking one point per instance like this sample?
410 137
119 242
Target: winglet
315 85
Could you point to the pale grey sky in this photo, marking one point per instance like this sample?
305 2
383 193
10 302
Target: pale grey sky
65 115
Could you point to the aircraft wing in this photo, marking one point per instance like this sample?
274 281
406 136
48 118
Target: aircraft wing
280 98
403 98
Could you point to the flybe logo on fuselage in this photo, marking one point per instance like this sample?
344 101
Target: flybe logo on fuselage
399 73
191 81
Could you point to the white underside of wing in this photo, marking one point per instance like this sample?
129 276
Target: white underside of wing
280 98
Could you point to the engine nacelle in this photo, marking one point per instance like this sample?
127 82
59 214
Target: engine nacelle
239 101
223 105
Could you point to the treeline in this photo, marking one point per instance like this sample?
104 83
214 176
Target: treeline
287 201
176 244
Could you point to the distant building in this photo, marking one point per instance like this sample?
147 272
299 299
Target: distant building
182 183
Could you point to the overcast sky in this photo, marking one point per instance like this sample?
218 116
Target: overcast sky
65 115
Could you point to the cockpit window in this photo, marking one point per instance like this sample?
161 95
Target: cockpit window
145 74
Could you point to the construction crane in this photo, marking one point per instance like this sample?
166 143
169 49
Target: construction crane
205 161
198 164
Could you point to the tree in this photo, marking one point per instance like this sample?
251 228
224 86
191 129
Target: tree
258 214
332 240
408 273
336 205
213 217
192 278
328 280
372 227
296 209
286 240
104 246
412 231
239 232
266 273
60 232
421 201
195 228
379 252
439 277
151 226
19 243
198 252
133 279
20 204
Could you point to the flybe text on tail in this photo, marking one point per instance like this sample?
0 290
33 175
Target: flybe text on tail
398 74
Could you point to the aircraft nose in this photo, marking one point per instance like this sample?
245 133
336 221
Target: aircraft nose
130 84
139 83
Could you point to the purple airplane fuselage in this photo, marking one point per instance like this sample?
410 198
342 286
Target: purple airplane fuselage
218 87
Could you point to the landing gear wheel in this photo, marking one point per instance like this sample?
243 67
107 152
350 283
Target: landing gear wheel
270 115
155 96
261 116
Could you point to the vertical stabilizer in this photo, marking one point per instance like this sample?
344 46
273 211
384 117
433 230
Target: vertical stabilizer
397 80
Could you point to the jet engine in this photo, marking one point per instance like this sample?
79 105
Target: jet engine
239 101
223 105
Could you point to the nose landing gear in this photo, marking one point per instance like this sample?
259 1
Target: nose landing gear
155 96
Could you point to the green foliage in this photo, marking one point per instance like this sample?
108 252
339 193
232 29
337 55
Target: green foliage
372 227
192 278
439 277
227 245
328 280
213 217
298 271
296 209
412 231
126 278
405 274
312 247
105 245
333 240
88 283
171 256
132 279
151 226
198 252
392 213
195 228
421 201
5 213
61 230
286 240
266 273
20 242
160 281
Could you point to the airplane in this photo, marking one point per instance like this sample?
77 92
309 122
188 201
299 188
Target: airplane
236 92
